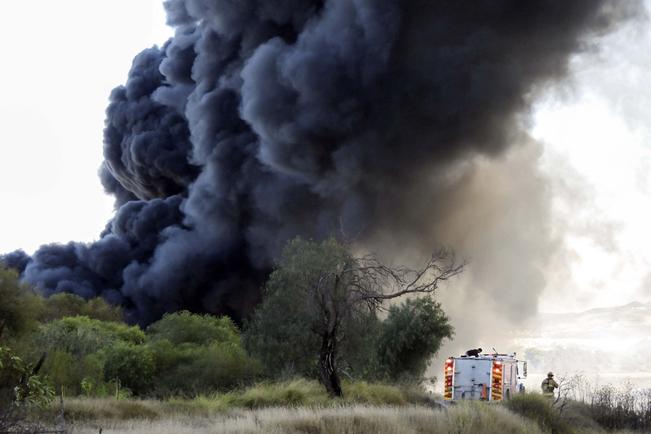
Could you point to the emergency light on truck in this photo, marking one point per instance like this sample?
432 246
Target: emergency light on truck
449 376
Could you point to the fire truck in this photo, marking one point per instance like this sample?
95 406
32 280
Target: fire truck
486 377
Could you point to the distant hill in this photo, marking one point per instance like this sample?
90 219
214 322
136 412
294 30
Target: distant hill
611 339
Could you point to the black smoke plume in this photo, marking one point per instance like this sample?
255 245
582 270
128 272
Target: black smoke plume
261 120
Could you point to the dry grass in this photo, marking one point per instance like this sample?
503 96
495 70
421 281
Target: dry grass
295 393
302 406
103 408
461 419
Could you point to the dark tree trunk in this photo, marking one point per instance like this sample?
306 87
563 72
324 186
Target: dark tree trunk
328 364
39 364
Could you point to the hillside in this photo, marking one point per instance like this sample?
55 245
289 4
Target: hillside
608 344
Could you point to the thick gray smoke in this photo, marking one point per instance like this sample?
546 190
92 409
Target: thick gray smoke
266 119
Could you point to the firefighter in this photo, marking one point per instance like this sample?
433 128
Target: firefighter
548 385
473 353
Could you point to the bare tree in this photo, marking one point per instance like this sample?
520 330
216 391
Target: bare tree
365 283
566 387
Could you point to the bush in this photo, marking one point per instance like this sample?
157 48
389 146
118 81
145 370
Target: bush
67 372
292 393
197 354
624 408
133 365
410 336
578 415
78 348
192 369
20 389
539 409
185 327
19 306
81 336
63 305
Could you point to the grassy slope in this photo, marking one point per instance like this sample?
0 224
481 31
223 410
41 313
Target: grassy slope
302 406
294 393
346 419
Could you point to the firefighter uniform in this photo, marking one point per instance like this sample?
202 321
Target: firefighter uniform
548 385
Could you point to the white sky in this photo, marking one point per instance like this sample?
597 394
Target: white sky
61 59
597 137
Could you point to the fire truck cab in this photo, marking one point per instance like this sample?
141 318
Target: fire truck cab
487 377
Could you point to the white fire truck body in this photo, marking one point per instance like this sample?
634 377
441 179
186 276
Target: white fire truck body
487 377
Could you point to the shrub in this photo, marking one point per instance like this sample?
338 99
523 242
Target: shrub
77 348
410 336
19 306
197 354
81 336
67 372
186 327
133 365
292 393
63 305
21 391
539 409
194 369
623 408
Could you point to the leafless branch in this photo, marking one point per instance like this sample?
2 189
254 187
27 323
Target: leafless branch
372 282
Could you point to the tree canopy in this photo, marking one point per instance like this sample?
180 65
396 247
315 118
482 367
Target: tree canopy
19 306
412 333
186 327
63 305
319 318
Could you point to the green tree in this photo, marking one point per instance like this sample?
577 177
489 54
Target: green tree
198 354
62 369
81 336
67 372
133 365
316 292
186 327
63 305
410 336
77 349
281 333
20 306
